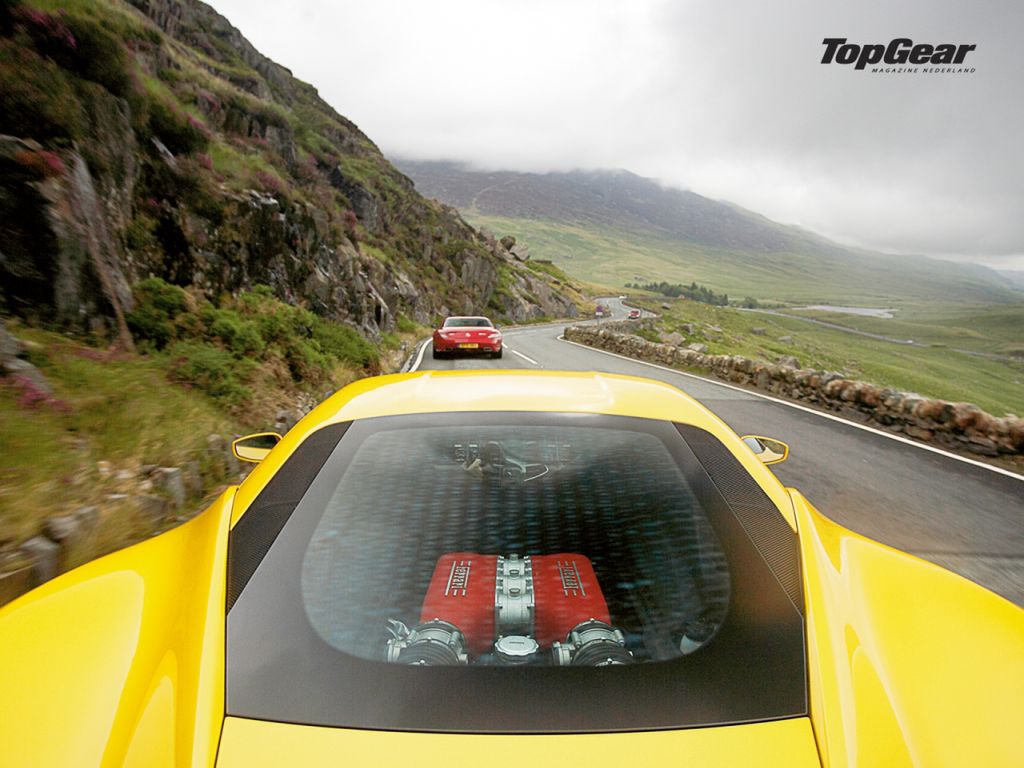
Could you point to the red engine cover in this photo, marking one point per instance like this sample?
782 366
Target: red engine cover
567 593
462 591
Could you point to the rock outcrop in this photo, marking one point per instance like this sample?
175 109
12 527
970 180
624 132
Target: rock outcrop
223 172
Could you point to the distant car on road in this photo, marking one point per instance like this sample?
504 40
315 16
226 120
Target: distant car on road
467 335
634 314
601 311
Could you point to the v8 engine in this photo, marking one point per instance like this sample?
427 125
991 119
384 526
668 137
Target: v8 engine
495 609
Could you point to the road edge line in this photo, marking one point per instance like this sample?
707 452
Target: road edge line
527 359
419 357
833 417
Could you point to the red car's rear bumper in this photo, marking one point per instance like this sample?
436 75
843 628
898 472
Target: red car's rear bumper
469 348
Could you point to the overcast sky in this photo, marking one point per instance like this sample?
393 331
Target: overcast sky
727 99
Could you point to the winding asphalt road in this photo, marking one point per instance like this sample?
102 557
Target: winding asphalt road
965 516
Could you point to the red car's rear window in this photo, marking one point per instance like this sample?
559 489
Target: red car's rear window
467 322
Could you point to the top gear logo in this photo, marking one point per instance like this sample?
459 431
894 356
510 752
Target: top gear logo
900 51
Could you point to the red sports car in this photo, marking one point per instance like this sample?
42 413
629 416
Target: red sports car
467 335
634 314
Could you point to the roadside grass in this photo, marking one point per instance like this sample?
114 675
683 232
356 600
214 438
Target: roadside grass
124 411
994 385
615 256
201 369
997 328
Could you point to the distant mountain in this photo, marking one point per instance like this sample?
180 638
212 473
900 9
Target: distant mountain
617 227
1015 276
612 198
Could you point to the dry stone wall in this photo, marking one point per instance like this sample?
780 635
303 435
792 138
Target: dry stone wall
955 425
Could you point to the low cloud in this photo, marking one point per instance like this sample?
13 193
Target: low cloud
728 100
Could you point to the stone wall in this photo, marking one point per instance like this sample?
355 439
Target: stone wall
954 425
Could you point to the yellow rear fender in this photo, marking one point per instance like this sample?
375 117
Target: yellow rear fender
909 664
129 656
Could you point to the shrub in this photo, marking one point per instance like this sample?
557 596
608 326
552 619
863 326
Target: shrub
216 349
404 325
50 35
37 98
239 335
343 343
269 182
178 131
454 247
211 370
41 163
99 56
350 223
311 345
157 305
80 45
140 234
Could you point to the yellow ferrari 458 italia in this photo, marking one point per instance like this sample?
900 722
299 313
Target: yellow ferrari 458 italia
474 568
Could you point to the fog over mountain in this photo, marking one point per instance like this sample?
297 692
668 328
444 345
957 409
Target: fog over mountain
728 100
723 244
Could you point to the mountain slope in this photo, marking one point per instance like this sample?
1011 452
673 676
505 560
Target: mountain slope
1015 277
618 227
151 139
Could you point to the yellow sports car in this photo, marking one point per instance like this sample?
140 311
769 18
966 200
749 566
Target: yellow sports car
479 568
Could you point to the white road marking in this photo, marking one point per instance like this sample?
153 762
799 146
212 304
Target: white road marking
419 357
520 354
866 428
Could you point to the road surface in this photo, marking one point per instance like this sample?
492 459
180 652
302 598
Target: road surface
965 517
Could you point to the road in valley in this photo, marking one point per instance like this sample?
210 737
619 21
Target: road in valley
965 517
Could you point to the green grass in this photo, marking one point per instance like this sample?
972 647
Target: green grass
239 167
379 254
547 268
124 411
157 88
116 16
983 328
994 385
203 370
228 351
612 256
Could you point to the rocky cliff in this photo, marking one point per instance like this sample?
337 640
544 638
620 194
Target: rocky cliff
151 139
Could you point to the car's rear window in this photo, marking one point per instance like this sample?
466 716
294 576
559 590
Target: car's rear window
467 322
508 572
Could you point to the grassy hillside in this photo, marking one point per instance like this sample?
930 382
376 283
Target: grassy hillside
625 228
617 256
115 409
221 370
996 386
997 329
